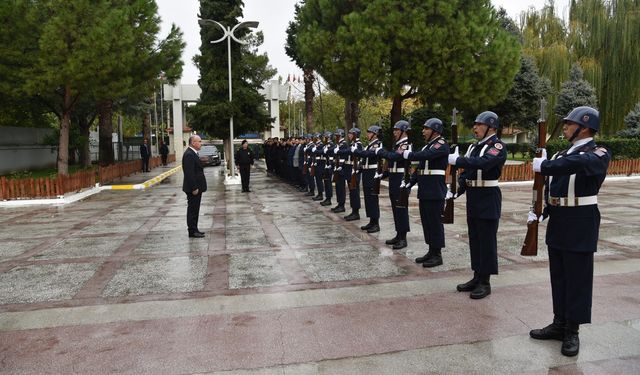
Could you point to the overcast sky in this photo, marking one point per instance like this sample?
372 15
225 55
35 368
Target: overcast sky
274 16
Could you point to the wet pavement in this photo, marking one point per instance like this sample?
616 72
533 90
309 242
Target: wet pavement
280 285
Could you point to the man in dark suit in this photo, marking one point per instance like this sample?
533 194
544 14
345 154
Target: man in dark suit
145 154
194 184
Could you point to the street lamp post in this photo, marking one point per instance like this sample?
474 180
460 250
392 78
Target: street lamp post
228 35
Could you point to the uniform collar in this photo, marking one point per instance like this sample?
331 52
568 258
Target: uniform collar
403 140
487 138
579 144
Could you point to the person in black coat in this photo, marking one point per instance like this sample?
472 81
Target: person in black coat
571 196
193 184
145 154
482 165
164 152
244 161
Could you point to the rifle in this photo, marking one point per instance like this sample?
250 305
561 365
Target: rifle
312 171
305 164
447 217
353 182
530 246
403 199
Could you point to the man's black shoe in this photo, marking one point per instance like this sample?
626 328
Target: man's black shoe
352 217
553 331
400 244
318 198
326 202
338 209
481 290
310 194
422 258
432 261
469 285
365 227
392 241
374 228
196 234
570 344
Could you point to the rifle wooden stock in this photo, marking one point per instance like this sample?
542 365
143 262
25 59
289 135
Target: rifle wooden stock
313 170
403 199
305 168
530 246
376 181
353 182
447 215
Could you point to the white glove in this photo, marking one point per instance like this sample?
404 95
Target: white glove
453 157
338 169
335 150
449 195
353 148
378 150
406 154
313 149
531 217
377 175
402 185
537 162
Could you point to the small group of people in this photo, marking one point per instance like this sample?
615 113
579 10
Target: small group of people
145 154
319 164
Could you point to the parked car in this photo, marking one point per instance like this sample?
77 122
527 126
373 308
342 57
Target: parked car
209 155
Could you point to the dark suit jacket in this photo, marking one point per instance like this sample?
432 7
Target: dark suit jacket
145 152
193 173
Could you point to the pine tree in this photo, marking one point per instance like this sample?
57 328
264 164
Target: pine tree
575 92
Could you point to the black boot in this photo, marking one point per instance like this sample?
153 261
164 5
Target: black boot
310 193
318 197
326 202
374 228
469 285
424 257
570 341
554 331
434 258
337 209
393 241
354 215
402 242
482 289
365 227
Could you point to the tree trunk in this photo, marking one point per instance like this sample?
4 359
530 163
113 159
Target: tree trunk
85 150
63 143
308 98
105 123
396 109
351 111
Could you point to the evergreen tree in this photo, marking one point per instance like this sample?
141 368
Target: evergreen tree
632 122
249 72
575 92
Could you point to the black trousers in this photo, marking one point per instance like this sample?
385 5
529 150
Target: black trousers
145 164
400 215
193 211
245 173
571 284
431 218
371 203
164 159
354 194
341 195
483 244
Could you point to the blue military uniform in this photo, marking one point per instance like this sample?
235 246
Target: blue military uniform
396 169
327 173
432 189
571 196
369 165
348 171
319 163
340 182
309 161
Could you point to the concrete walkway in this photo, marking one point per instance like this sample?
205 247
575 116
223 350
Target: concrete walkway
280 285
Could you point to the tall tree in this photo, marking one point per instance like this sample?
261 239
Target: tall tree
522 103
576 91
249 71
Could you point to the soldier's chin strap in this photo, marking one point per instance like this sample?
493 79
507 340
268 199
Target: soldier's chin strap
575 133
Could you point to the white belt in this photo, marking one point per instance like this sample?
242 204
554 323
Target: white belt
330 159
372 166
396 170
573 202
482 183
348 163
431 172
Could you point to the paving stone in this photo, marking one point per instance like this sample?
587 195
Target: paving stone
12 248
80 247
319 234
170 242
246 238
256 269
158 276
47 282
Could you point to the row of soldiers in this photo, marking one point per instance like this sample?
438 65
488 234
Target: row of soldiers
573 180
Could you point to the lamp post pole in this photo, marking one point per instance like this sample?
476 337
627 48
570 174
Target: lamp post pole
229 34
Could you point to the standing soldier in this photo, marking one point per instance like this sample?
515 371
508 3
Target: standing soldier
319 166
432 188
350 172
308 160
369 168
327 173
482 167
338 160
575 177
396 174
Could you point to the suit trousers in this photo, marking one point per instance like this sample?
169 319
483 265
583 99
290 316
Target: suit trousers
431 218
571 284
193 211
245 173
371 203
483 243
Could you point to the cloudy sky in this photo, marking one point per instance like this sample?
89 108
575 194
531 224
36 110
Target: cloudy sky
274 16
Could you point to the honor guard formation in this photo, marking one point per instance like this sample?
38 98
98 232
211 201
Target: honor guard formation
323 163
